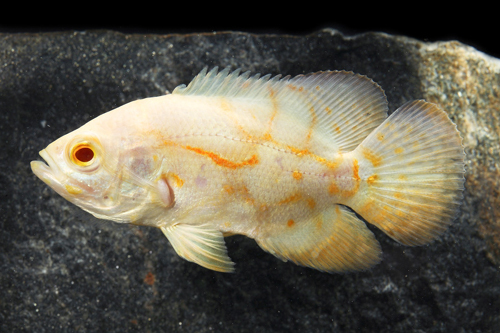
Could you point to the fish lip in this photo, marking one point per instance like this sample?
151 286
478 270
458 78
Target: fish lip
44 171
47 172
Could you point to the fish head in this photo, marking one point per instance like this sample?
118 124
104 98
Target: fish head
99 171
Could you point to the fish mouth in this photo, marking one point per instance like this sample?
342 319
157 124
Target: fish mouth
47 173
43 170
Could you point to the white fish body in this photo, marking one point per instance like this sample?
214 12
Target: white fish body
277 160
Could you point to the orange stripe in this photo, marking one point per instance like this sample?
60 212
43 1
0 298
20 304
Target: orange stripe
290 199
355 169
222 161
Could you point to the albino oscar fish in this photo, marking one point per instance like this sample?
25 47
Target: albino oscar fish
298 164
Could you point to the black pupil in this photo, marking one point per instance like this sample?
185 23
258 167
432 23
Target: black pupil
84 154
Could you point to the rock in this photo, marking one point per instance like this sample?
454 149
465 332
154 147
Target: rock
62 270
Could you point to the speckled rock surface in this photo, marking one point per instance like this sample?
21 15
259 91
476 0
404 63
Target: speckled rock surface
62 270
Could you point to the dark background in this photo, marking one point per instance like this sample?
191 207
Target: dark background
473 25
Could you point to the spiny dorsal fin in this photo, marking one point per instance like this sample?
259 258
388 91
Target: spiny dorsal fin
226 84
200 244
342 106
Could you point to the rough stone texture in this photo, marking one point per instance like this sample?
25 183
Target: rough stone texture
62 270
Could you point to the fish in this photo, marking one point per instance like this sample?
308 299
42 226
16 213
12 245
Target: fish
299 164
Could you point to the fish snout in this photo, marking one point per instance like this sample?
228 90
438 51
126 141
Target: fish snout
42 170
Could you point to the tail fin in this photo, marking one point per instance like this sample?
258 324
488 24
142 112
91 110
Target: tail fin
413 174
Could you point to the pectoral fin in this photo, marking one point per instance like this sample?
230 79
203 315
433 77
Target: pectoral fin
200 244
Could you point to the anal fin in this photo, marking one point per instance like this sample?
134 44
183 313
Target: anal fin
334 240
200 244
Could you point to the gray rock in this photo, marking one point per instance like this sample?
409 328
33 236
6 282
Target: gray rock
62 270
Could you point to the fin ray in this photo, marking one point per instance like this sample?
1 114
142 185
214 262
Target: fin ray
333 241
200 244
414 178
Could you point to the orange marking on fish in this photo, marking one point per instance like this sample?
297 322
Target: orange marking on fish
333 188
370 156
274 108
376 216
402 178
245 85
355 170
225 105
272 96
178 180
222 161
328 110
303 152
165 142
73 189
371 180
228 188
333 165
267 137
320 159
297 175
245 194
390 125
337 128
380 136
351 192
314 120
290 223
398 150
244 132
311 203
398 195
293 198
367 208
298 152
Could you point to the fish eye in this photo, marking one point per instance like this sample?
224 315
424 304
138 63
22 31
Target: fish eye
83 154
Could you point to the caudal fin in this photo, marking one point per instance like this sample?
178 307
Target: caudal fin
412 167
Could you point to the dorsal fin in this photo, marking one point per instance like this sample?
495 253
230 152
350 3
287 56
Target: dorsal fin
348 105
227 84
341 106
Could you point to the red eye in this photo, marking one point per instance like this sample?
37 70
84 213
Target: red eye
82 154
